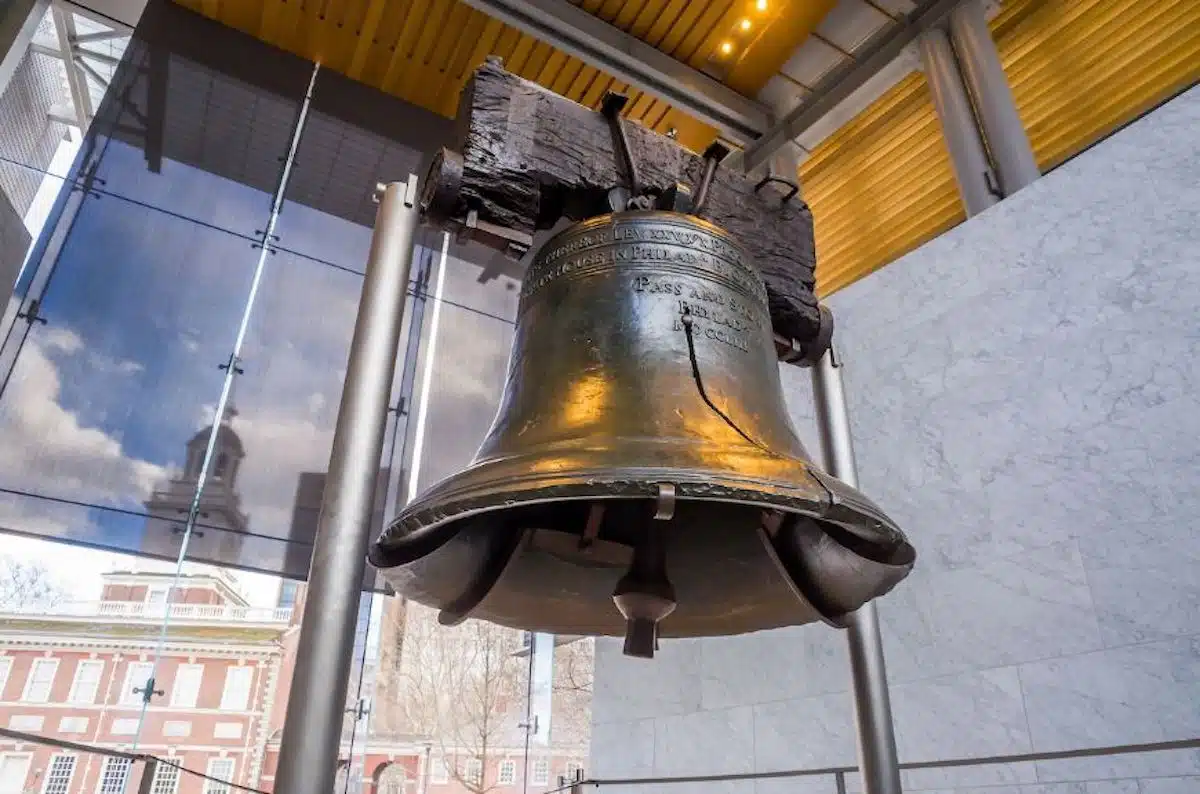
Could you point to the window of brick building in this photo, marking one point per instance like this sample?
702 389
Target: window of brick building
541 772
473 772
236 695
508 773
113 776
58 776
220 773
73 725
166 779
41 679
186 689
86 682
136 676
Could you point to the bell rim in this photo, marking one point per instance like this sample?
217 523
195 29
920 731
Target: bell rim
436 516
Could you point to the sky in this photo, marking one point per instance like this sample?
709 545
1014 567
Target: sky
143 306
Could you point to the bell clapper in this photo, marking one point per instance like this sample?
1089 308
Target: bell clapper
644 595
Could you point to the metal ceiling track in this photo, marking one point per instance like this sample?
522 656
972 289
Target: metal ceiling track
867 61
578 33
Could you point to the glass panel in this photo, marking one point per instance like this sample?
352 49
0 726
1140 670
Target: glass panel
201 122
457 397
354 137
104 395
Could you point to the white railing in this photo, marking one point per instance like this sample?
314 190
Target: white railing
208 613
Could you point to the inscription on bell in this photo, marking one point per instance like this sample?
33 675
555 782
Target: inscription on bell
689 238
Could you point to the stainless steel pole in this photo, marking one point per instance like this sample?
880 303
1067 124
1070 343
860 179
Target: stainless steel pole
967 154
308 752
984 76
877 758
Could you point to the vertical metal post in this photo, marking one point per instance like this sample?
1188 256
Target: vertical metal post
972 170
146 783
979 64
877 758
308 754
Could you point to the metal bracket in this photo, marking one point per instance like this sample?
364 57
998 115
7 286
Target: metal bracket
31 315
148 691
611 107
232 363
809 352
713 155
513 243
993 187
792 187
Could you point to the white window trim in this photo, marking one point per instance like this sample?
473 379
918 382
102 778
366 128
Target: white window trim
28 761
88 664
439 775
29 681
124 722
64 724
510 779
212 786
6 663
127 696
20 719
225 730
540 775
50 768
177 734
473 771
108 764
160 772
176 700
157 589
231 674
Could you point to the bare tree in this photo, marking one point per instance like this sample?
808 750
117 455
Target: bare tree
575 663
463 688
26 585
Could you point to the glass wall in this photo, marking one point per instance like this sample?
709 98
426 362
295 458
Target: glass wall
192 236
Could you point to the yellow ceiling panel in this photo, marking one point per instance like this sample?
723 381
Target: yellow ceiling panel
879 186
1081 68
424 50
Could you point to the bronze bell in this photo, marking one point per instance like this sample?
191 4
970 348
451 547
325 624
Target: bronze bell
642 455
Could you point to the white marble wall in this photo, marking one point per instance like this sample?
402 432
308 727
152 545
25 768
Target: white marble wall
1025 393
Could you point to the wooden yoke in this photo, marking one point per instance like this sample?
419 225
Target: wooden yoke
524 158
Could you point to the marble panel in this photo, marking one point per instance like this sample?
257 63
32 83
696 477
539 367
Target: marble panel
630 689
1139 693
961 716
804 733
626 749
718 742
773 665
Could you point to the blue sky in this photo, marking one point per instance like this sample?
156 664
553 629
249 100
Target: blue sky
144 306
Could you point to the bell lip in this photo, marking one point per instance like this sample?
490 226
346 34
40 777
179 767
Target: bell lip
437 516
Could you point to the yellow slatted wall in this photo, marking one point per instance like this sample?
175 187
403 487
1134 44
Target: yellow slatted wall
879 186
1081 68
882 184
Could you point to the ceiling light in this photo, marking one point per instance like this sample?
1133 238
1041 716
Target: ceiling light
744 25
726 47
761 5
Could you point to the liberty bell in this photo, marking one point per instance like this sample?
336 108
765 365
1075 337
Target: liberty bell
641 476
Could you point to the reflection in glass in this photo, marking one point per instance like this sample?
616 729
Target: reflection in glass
104 393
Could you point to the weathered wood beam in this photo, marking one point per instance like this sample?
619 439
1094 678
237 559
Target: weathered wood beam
525 157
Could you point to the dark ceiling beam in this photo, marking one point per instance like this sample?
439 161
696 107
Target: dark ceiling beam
835 88
631 60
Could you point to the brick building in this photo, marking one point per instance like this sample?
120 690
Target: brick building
76 672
